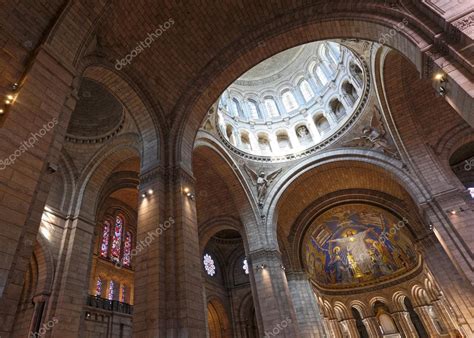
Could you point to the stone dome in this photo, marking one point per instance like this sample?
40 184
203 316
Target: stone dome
292 101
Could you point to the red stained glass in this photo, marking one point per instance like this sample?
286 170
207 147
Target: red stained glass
117 239
127 249
104 247
124 294
110 295
98 287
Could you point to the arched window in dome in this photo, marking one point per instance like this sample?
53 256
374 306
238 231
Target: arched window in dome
271 107
350 93
245 140
116 239
283 140
254 110
334 51
289 100
322 124
237 109
337 108
327 58
223 100
306 90
104 245
321 76
127 249
264 143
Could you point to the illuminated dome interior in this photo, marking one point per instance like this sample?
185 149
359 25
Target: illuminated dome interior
355 245
293 100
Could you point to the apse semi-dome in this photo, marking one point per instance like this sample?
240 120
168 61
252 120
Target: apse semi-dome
294 102
356 245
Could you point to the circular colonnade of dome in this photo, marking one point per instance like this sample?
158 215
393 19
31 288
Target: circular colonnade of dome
294 103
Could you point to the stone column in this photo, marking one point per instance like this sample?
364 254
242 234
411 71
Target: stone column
32 134
295 142
305 304
73 275
185 304
254 141
428 323
351 327
456 288
312 129
273 142
405 324
334 327
372 326
274 309
443 313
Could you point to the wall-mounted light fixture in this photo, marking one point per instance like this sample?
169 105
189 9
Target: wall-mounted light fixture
9 99
188 193
147 193
261 267
441 78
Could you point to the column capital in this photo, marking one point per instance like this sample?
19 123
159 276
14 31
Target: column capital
297 275
168 173
265 253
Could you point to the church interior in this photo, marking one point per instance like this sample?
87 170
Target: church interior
237 168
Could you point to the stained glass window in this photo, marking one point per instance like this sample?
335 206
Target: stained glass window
127 248
117 239
98 287
245 266
306 90
209 265
321 76
104 247
123 297
110 295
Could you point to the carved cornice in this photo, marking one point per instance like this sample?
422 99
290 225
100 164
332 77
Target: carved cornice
265 254
98 139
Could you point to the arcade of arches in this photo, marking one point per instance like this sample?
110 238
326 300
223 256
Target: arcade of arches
237 168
